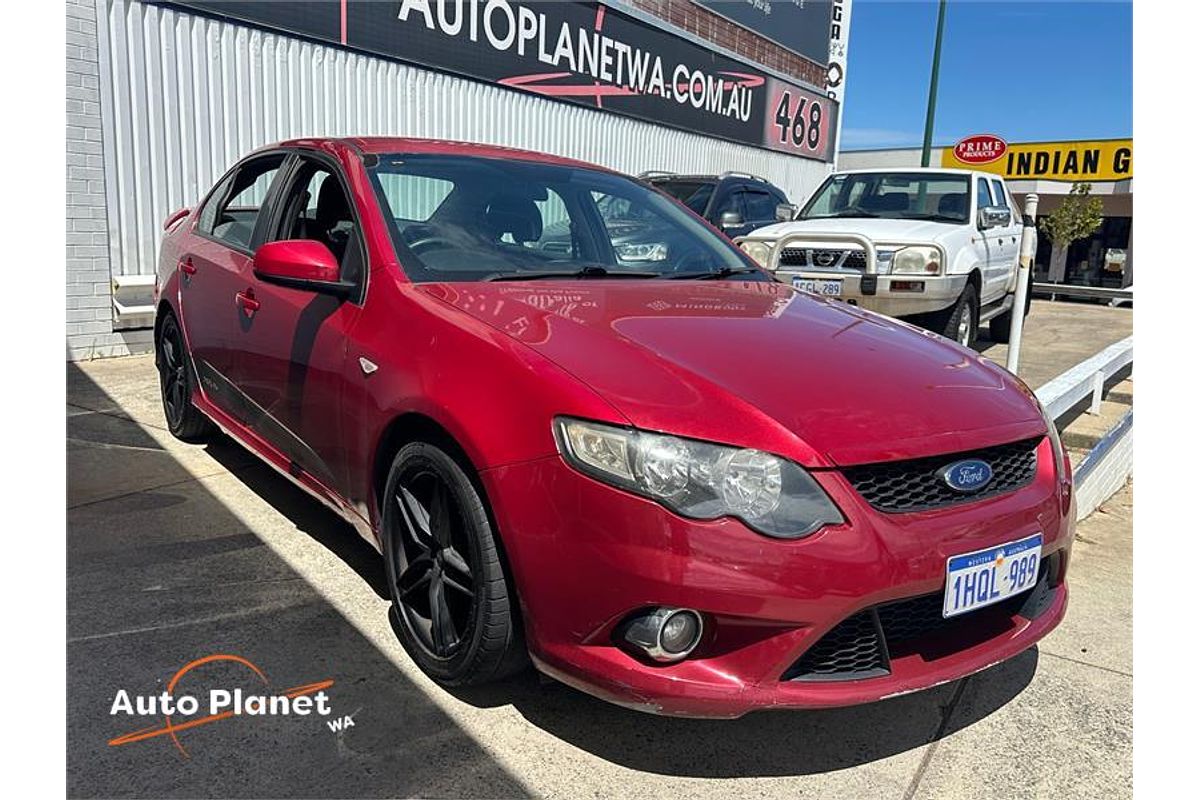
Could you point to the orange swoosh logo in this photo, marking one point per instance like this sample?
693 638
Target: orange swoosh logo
169 728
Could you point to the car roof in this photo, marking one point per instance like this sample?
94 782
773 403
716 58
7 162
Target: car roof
671 176
661 178
393 144
909 170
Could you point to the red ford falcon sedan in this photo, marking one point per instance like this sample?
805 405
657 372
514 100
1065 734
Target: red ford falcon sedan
665 478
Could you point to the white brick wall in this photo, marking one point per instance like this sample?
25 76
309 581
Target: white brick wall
89 283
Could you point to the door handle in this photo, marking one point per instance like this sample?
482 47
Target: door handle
187 267
245 300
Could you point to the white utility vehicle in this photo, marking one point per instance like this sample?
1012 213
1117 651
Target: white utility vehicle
936 246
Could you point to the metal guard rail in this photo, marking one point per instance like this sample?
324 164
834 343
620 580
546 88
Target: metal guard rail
1087 377
1109 464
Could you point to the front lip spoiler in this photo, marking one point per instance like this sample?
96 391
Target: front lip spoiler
663 696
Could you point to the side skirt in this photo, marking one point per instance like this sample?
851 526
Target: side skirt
286 467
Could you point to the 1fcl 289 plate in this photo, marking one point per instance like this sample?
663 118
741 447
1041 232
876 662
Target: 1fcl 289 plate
823 288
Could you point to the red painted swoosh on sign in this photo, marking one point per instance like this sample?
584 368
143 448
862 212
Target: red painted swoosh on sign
530 82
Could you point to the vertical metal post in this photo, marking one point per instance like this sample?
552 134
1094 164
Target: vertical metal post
933 84
1097 393
1028 243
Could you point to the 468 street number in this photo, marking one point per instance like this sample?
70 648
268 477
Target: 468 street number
801 127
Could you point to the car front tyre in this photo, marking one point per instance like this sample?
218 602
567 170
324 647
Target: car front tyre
176 383
960 322
454 607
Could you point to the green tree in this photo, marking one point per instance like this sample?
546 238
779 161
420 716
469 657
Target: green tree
1079 216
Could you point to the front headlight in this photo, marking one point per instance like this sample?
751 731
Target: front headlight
759 251
883 261
700 480
646 251
917 261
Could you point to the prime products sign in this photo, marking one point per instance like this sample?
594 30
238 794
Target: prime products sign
801 26
1099 160
578 52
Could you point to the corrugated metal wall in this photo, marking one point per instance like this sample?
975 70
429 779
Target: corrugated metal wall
184 96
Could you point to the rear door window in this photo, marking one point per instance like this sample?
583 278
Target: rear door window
232 214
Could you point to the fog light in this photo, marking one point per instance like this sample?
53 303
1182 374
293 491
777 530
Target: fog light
664 634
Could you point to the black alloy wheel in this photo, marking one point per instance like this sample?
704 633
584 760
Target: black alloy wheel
184 421
434 584
451 598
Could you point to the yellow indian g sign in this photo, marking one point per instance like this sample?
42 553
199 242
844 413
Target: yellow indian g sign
1103 160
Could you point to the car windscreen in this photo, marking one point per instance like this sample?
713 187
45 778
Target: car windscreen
461 218
892 195
693 194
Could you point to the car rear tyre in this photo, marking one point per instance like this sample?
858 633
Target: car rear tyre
455 610
176 383
1000 326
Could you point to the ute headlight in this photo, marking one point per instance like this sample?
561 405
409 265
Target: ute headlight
917 261
700 480
759 251
644 251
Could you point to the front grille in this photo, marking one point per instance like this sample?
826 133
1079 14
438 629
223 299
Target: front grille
914 485
853 649
816 258
911 619
863 645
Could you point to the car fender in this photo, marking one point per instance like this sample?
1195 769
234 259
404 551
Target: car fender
494 396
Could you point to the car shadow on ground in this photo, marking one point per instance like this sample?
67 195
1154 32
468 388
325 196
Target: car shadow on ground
307 514
762 744
165 567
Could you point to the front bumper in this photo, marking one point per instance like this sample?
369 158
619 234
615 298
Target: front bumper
937 291
584 555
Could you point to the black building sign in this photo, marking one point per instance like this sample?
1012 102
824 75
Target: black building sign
801 26
579 52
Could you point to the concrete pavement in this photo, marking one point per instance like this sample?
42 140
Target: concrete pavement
177 552
1059 335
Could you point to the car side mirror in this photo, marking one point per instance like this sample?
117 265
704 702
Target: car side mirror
785 212
731 219
994 217
301 264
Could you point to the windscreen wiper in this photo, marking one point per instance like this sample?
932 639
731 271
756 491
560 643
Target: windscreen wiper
713 274
936 217
589 271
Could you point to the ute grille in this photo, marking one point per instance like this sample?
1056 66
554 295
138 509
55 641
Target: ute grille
822 258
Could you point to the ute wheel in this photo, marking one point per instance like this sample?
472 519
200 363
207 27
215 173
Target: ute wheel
1001 325
960 322
176 382
455 609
